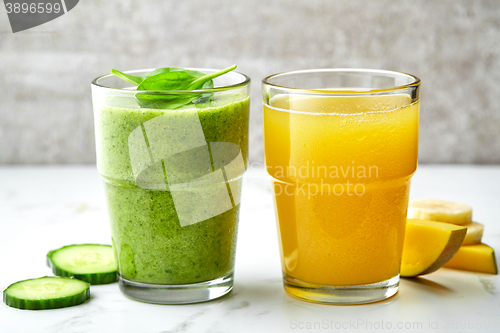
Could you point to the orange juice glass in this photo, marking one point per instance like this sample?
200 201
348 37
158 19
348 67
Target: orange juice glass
341 147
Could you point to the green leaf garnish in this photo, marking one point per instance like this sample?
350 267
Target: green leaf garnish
129 78
137 80
171 79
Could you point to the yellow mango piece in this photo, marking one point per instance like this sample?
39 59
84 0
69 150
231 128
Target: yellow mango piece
477 258
428 245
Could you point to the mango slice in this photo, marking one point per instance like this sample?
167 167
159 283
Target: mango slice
428 245
477 258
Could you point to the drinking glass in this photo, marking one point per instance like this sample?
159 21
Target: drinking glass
340 148
172 176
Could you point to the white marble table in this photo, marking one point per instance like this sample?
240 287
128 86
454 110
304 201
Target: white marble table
42 208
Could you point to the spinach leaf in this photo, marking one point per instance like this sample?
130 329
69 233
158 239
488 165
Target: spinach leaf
162 101
129 78
199 82
171 79
168 81
137 80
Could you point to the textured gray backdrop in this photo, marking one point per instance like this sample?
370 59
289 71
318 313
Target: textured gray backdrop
453 46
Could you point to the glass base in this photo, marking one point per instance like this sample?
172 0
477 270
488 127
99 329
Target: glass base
176 294
341 294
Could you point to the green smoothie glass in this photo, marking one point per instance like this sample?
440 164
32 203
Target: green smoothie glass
173 180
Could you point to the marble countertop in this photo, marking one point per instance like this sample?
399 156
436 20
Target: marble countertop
45 207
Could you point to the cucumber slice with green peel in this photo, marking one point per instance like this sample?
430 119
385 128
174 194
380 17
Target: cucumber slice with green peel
48 292
93 263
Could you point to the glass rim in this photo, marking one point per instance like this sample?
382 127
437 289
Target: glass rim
416 81
246 81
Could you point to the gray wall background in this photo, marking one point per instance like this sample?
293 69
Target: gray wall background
453 46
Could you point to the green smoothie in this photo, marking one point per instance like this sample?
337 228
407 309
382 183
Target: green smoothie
152 242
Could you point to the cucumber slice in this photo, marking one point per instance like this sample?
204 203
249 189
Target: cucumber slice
48 292
93 263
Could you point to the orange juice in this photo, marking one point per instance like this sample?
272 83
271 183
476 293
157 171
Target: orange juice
341 169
